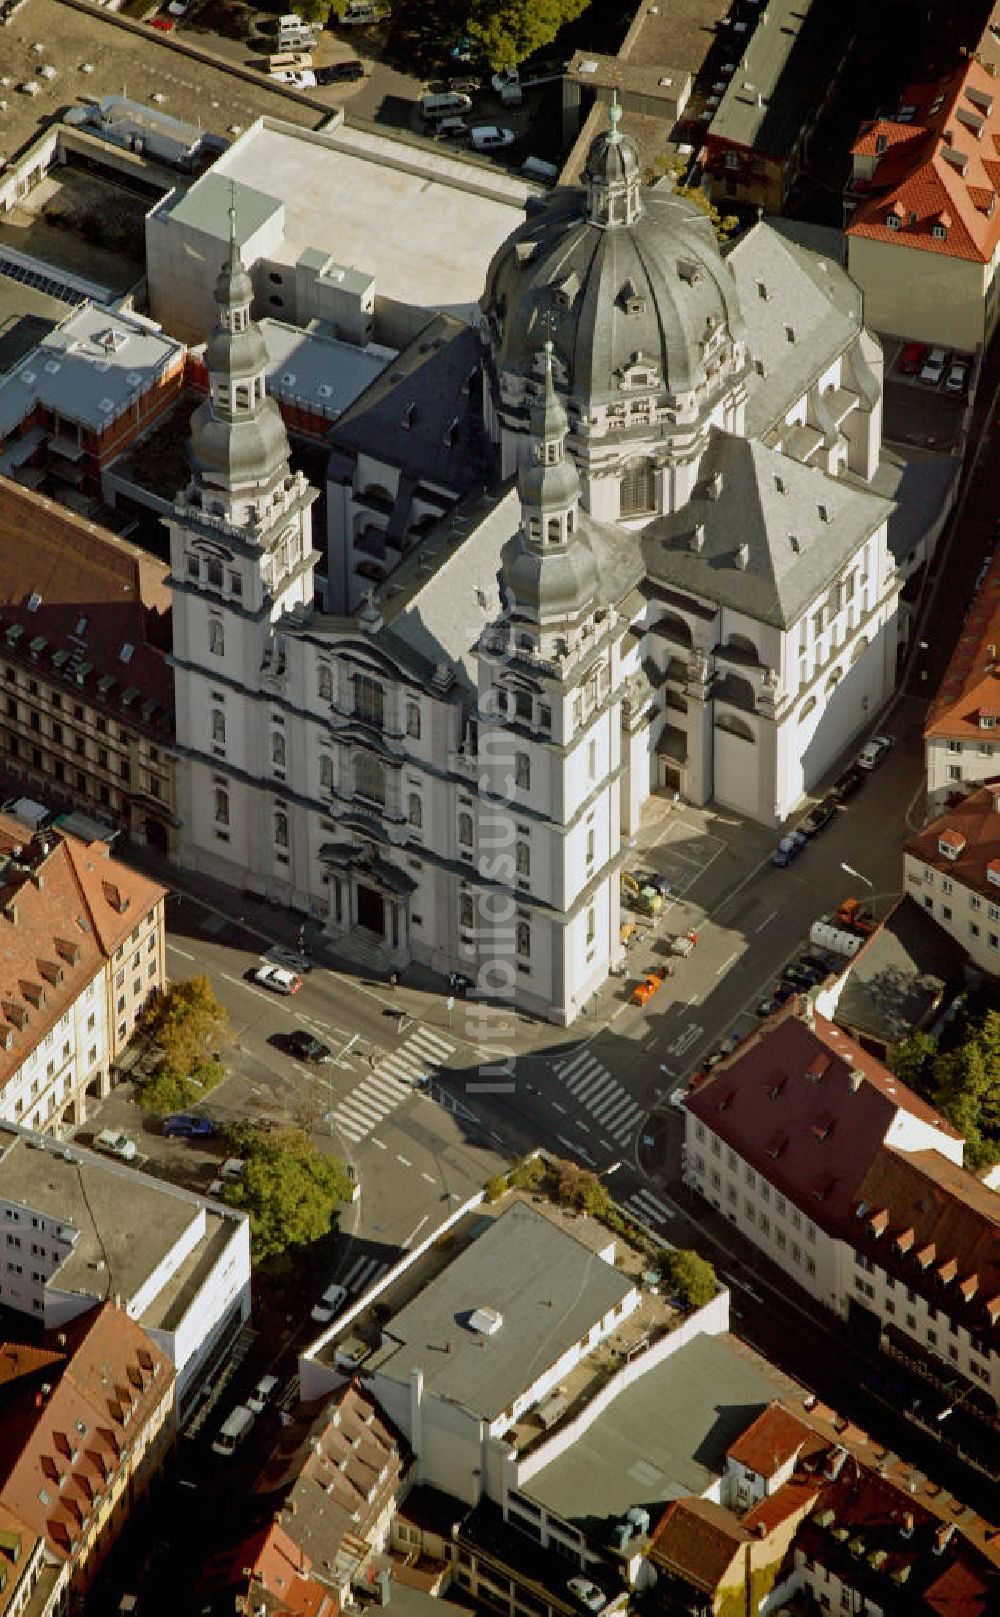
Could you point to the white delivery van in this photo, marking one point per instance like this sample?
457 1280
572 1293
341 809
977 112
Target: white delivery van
234 1429
535 168
294 34
448 105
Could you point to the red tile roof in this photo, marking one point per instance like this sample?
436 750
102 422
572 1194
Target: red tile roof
64 908
770 1441
950 1218
813 1138
81 573
947 173
17 1546
62 1450
977 824
272 1571
698 1541
962 1590
971 684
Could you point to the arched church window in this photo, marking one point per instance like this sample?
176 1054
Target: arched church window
281 829
523 859
523 934
324 682
638 488
415 811
326 772
218 727
522 771
413 721
554 530
216 637
221 806
369 699
465 830
278 750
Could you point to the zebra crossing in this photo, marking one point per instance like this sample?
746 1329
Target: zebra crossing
593 1086
363 1274
647 1208
391 1082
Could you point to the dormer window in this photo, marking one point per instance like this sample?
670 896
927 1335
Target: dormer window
892 220
951 844
880 145
940 232
987 719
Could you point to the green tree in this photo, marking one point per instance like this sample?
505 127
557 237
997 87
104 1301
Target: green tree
528 1174
188 1023
506 31
691 1277
171 1091
722 223
315 12
913 1062
578 1187
290 1191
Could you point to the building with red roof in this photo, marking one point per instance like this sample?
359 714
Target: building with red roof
83 1439
780 1138
923 226
952 868
267 1573
960 741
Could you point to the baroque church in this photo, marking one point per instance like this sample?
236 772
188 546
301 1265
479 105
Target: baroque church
678 578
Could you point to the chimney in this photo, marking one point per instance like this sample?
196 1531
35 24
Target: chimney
855 1080
742 557
906 1531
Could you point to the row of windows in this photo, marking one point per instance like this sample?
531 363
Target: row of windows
78 711
975 930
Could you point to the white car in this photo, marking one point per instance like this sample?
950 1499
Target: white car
932 369
874 751
958 376
277 979
678 1098
266 1389
510 78
587 1593
489 138
178 8
298 78
332 1299
116 1145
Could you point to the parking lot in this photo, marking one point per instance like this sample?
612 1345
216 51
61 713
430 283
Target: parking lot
920 411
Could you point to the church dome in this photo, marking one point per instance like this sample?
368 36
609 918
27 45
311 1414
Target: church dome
626 279
543 585
242 451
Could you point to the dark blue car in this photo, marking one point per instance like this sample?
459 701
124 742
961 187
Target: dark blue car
788 849
184 1125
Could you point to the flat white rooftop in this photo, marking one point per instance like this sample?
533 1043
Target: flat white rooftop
424 223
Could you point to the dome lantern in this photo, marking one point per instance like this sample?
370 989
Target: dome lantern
612 175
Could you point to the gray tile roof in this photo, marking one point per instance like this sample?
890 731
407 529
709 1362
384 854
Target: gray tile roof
786 66
772 506
548 1287
899 977
805 292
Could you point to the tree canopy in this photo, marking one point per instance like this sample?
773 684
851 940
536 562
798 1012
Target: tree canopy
690 1276
507 31
962 1081
188 1023
289 1189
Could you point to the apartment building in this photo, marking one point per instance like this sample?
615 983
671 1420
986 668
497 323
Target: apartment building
87 1427
952 868
780 1136
86 706
83 951
960 741
76 1227
922 224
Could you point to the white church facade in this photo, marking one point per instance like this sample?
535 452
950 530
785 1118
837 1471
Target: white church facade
679 578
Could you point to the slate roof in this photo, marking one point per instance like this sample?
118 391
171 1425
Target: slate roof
900 975
808 1108
947 173
772 505
972 678
783 74
806 291
418 413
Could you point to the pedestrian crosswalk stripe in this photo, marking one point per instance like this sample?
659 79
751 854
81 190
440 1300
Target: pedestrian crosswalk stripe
595 1090
647 1207
392 1081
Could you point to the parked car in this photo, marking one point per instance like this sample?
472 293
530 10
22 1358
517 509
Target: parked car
819 817
451 129
798 976
683 943
778 995
281 956
958 376
874 751
333 1298
932 369
588 1594
300 79
178 8
815 962
306 1047
788 849
339 72
911 358
277 979
186 1125
266 1389
650 985
851 781
231 1170
164 24
116 1144
489 138
509 78
234 1430
659 883
678 1098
